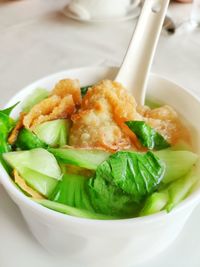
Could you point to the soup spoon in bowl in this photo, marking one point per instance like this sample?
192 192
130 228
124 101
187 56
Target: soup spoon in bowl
134 71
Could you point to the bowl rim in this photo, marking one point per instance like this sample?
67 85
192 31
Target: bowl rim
9 185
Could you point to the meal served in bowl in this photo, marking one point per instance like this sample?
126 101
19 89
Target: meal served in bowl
92 152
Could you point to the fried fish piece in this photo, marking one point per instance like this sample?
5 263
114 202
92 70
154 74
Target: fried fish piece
68 87
60 104
105 108
166 121
96 129
100 120
50 110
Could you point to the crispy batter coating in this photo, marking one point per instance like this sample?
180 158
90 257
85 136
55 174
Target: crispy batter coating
122 104
60 105
68 87
99 121
105 108
62 110
13 136
43 108
165 121
22 184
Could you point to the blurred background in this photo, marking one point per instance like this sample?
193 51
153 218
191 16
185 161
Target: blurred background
37 39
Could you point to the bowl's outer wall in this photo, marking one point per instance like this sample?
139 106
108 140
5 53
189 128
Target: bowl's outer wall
113 243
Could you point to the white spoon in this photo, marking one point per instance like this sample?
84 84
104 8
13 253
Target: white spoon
136 65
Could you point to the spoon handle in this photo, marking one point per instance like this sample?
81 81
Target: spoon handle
135 67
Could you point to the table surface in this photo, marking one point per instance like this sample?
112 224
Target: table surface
36 39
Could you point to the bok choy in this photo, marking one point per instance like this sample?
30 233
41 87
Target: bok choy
147 135
37 167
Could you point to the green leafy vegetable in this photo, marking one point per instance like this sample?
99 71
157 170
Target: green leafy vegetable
84 158
28 140
147 135
135 173
109 199
37 159
43 184
54 133
155 203
84 90
180 189
72 191
74 211
7 111
173 193
6 125
38 95
37 167
124 180
177 163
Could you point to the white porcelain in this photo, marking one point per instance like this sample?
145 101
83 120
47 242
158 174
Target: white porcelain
135 68
195 13
87 9
109 243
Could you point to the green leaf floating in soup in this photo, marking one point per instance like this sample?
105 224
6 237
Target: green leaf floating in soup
133 175
147 135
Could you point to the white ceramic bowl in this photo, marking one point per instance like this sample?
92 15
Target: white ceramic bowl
109 243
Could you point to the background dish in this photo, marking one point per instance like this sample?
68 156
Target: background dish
131 14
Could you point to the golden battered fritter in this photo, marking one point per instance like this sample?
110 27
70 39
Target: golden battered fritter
60 105
99 122
68 87
98 119
165 120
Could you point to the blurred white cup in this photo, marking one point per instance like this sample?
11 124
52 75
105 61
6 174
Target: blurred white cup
99 9
195 13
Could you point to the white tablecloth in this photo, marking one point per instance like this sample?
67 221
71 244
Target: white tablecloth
36 39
